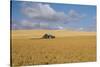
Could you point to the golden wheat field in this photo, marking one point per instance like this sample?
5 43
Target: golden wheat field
67 47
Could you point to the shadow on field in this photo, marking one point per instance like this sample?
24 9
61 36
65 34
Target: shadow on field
46 36
40 39
36 38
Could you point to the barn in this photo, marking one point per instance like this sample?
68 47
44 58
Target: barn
48 36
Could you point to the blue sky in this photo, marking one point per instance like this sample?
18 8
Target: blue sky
37 15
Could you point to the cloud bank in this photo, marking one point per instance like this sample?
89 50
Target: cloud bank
43 16
44 12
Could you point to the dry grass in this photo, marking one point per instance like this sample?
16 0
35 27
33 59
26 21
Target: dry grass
27 50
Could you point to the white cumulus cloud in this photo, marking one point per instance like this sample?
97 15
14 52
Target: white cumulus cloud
43 15
44 12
